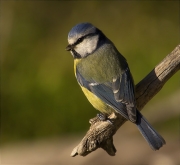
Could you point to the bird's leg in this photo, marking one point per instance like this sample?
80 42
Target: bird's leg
103 117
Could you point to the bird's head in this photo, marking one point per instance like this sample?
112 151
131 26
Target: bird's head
84 39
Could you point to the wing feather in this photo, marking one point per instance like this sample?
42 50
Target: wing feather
125 93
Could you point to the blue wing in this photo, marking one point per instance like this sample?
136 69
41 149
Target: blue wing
118 94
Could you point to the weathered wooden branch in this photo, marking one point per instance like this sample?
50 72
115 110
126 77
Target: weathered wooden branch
100 134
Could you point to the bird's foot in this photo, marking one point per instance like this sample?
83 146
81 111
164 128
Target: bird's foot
103 117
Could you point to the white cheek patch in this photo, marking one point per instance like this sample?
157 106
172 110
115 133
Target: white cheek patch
87 46
91 45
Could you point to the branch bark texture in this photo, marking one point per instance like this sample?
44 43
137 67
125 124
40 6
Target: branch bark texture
100 134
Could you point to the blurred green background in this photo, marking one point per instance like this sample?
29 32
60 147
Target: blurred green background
40 97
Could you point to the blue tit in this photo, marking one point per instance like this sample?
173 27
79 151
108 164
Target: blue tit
105 78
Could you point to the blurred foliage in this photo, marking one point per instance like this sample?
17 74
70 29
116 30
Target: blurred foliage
39 93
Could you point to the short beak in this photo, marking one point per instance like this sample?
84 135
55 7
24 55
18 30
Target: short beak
69 47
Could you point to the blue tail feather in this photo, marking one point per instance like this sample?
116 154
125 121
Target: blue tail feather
155 140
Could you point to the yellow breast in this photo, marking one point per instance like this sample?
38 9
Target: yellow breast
97 102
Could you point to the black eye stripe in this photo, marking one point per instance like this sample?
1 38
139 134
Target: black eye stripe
83 37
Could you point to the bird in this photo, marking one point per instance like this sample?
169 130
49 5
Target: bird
105 78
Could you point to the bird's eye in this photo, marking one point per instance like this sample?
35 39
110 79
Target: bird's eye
80 40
